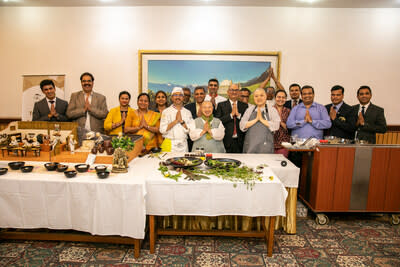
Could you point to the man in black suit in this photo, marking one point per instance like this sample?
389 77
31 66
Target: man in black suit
194 108
230 112
371 118
294 91
342 116
50 108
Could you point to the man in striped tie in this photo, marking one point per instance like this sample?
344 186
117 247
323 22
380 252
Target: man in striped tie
50 108
342 115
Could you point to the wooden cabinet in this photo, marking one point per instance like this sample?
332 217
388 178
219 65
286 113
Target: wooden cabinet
355 178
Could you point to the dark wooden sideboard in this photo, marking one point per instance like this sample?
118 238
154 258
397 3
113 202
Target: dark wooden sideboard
351 178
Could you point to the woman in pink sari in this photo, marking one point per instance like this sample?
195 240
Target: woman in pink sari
282 135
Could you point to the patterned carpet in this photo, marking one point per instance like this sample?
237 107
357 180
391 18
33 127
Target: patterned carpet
348 240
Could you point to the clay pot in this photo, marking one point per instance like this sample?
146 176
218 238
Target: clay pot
107 143
109 150
94 150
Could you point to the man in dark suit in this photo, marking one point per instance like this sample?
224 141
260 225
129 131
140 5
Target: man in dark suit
294 91
194 108
50 108
88 108
230 113
342 116
371 118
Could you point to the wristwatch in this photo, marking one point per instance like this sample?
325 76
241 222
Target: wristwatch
182 122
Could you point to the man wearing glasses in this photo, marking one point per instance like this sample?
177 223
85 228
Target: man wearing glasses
230 113
244 95
174 124
186 95
87 108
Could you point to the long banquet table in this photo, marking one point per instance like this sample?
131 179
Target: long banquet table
215 197
43 199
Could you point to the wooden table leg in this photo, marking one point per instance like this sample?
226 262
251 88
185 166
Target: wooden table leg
137 248
152 234
271 231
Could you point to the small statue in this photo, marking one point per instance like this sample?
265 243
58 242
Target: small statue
99 140
120 161
90 135
55 144
14 142
71 143
35 142
26 144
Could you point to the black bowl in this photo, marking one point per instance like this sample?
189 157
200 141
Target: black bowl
51 166
101 168
26 168
16 165
62 167
70 174
3 171
82 167
155 150
103 174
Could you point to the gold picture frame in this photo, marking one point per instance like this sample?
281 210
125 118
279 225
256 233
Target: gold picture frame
146 56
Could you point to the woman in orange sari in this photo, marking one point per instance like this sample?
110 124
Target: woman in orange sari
144 122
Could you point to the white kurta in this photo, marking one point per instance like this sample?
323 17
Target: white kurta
218 99
217 133
178 133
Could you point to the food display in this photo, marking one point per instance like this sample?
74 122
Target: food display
222 163
184 162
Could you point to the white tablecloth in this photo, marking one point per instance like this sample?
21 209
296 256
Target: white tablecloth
41 199
289 175
211 197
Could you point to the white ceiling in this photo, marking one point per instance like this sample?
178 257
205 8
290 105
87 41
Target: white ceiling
267 3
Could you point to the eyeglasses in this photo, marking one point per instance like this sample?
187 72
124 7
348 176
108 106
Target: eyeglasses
246 96
177 95
234 90
187 95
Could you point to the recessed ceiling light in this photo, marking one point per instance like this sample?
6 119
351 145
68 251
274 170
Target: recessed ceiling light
308 1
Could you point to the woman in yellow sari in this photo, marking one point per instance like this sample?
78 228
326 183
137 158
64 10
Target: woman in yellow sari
115 121
144 122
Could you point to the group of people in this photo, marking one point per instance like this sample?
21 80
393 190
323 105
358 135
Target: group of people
214 123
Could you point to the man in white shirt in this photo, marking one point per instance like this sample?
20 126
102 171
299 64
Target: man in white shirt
174 122
371 118
88 108
213 96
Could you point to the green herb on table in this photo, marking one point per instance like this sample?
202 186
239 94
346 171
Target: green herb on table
166 173
234 174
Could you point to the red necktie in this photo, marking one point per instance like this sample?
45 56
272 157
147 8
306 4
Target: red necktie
234 122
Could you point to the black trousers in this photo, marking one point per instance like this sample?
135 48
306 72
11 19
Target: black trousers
235 146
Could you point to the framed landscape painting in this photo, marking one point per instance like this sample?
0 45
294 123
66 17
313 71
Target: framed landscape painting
164 70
